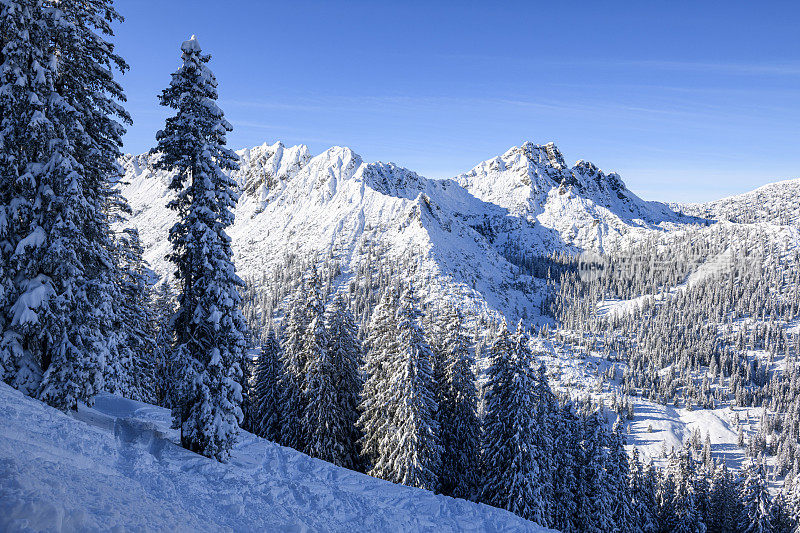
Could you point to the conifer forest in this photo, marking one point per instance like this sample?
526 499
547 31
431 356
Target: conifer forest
528 338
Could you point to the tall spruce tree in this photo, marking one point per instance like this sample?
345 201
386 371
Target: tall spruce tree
724 513
756 512
702 489
209 327
132 370
59 140
546 414
780 518
319 389
164 355
665 495
566 434
594 504
266 394
344 351
510 470
618 470
293 368
409 451
30 132
686 518
374 408
247 365
457 414
642 493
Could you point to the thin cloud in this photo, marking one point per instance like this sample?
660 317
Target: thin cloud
776 68
755 69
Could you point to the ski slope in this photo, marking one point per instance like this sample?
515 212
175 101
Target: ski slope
116 467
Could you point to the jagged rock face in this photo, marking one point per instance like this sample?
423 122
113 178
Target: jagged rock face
464 233
586 207
264 167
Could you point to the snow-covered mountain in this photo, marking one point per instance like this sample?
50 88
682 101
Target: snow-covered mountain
586 207
464 234
774 203
118 467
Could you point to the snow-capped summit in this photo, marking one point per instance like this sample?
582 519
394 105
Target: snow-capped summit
587 207
467 233
264 167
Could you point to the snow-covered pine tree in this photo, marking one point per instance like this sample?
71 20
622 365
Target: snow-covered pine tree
510 471
618 470
594 505
546 413
643 498
724 505
247 365
60 140
702 490
686 517
374 407
780 517
209 328
566 434
344 351
132 370
26 133
409 452
457 414
319 388
756 512
266 394
665 495
85 83
166 364
292 380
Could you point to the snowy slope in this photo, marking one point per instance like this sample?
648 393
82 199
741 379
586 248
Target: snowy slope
775 203
656 429
116 467
582 205
463 240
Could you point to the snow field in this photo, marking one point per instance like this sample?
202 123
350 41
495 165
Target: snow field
117 467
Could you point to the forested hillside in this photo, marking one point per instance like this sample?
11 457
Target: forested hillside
529 335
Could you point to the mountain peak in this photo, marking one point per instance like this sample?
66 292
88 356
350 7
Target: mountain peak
466 232
540 154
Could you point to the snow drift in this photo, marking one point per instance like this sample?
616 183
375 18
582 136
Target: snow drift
117 467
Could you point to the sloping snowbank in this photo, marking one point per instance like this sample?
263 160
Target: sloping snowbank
116 467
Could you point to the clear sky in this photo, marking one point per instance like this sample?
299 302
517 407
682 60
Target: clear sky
688 101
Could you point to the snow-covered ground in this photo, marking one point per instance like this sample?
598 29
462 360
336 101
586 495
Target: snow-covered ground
116 467
656 429
774 203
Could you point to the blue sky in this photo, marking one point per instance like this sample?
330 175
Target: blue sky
688 101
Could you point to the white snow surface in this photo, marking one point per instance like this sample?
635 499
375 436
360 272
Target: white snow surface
581 206
774 203
117 467
656 429
458 231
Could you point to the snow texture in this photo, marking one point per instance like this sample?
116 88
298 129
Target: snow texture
774 203
117 467
655 428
